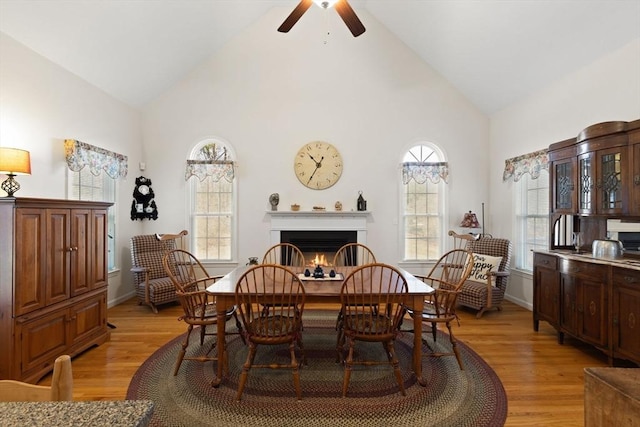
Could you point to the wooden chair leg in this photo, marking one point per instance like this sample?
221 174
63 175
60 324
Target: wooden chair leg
454 346
396 367
239 327
245 370
153 307
347 369
340 346
303 355
183 350
203 330
296 370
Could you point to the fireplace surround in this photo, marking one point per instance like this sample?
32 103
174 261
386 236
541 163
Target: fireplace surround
318 232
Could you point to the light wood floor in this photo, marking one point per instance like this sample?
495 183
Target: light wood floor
544 381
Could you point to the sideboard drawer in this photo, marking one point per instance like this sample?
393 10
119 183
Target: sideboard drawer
626 277
584 269
545 261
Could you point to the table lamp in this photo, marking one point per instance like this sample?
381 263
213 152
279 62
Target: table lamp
13 161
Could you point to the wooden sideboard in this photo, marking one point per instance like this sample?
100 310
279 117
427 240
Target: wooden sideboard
53 282
595 301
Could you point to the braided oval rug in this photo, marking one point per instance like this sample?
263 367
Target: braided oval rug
473 397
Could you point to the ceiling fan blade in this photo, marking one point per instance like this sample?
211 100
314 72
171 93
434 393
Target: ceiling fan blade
297 13
349 17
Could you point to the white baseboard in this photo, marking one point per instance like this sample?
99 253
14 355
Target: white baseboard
518 301
121 299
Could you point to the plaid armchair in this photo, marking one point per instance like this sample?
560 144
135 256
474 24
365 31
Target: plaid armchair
485 296
153 286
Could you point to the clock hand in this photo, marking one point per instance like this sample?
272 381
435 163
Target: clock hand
318 165
314 172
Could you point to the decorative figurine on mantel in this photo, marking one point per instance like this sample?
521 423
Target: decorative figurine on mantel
338 206
362 203
274 199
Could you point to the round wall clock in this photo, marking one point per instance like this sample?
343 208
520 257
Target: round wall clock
318 165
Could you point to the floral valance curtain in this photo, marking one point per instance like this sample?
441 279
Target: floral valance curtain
423 171
211 161
532 163
80 154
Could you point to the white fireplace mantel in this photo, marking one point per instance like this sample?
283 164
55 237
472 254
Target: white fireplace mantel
318 221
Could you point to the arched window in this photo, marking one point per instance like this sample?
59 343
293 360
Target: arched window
211 172
424 174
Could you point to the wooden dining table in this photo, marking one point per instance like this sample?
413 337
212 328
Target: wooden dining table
323 291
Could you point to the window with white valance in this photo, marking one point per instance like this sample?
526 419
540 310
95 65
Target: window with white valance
88 183
420 172
211 161
80 154
424 175
213 200
531 163
530 174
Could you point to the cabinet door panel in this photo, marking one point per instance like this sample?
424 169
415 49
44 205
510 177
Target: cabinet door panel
612 180
42 340
547 295
592 312
59 250
626 313
568 317
80 255
626 322
88 318
634 183
99 256
563 186
586 183
30 259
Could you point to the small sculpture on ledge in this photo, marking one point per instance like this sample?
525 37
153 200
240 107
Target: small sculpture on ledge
274 199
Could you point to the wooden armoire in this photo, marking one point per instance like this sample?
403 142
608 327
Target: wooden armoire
53 282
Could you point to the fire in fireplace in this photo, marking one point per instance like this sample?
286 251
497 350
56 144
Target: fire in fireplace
318 247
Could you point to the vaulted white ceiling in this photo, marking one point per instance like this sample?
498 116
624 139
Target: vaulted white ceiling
494 51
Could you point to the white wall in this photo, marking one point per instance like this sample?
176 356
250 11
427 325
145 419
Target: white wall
268 93
40 105
608 89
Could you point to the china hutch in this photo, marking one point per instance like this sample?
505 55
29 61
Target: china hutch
53 282
593 177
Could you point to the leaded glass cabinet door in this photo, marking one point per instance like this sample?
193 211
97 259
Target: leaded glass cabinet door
634 142
586 183
611 169
564 186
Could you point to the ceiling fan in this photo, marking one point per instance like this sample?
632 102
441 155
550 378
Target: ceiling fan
342 7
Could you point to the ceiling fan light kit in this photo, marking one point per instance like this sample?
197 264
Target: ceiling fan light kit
342 7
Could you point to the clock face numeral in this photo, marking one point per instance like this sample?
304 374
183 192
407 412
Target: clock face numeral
318 165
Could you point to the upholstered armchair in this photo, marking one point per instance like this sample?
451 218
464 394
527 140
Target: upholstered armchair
487 284
153 286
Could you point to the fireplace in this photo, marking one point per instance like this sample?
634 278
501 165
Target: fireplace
320 231
316 245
